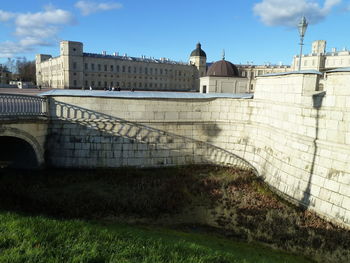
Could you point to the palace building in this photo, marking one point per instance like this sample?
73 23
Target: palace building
321 60
75 69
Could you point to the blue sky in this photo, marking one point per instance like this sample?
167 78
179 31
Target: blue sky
257 31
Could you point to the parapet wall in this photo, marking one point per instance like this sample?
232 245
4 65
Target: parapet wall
295 133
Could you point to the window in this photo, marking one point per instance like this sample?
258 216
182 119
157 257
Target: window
161 71
74 65
140 70
204 89
92 66
123 68
155 71
99 67
151 70
166 72
92 83
86 65
129 69
86 83
99 83
135 69
112 68
105 67
146 71
105 83
117 68
75 83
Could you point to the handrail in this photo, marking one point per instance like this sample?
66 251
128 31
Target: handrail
22 105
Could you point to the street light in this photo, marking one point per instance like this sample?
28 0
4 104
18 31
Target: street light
302 26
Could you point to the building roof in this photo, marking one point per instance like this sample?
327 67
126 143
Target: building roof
223 68
198 52
311 71
142 59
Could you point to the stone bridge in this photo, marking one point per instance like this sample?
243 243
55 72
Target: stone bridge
23 130
295 133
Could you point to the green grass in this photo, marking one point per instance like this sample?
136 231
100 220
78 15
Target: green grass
42 239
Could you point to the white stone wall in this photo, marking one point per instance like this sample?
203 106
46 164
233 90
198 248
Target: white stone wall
297 144
223 85
110 132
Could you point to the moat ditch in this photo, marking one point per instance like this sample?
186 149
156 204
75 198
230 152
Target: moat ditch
226 201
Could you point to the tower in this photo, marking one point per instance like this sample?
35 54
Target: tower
72 59
198 58
319 47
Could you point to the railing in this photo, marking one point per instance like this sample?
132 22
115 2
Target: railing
22 105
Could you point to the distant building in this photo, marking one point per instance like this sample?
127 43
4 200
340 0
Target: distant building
74 69
252 71
321 60
223 77
5 75
22 84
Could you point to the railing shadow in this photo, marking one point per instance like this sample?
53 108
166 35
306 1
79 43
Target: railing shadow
195 151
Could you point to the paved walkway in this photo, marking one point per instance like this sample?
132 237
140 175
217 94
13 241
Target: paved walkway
22 91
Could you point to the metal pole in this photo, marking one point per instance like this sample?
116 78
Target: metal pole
301 51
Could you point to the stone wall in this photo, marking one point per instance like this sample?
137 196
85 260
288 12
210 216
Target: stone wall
296 137
112 132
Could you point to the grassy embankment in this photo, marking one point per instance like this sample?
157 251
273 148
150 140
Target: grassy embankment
40 239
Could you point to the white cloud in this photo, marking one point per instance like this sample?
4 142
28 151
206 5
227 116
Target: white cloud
288 12
48 17
33 29
5 16
9 49
89 7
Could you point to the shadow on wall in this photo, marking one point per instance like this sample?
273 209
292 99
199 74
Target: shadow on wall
317 104
94 139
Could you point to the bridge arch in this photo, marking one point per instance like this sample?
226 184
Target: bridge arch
17 137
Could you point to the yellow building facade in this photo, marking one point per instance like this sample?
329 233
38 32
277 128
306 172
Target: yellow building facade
75 69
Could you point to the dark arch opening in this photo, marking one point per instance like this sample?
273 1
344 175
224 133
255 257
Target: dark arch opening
16 153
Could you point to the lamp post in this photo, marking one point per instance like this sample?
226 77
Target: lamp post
302 26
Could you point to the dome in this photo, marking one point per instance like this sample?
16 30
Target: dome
198 52
223 68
